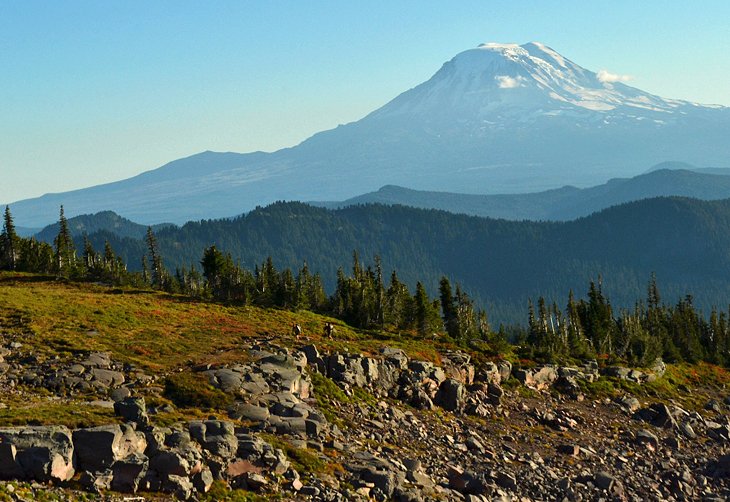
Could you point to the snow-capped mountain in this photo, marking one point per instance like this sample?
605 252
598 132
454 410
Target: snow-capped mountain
523 82
500 118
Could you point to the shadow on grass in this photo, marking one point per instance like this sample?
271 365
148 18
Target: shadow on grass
26 279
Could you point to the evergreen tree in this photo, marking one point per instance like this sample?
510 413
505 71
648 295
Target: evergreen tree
398 300
214 268
579 346
449 311
9 243
145 270
286 290
317 296
65 249
309 290
597 317
423 310
379 288
465 315
114 268
303 285
158 272
37 257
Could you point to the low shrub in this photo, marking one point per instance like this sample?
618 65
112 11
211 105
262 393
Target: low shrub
188 390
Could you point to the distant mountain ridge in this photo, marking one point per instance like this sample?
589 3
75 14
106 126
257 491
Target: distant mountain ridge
500 118
103 221
562 204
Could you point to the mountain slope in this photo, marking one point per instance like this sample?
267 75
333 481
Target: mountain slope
501 118
561 204
502 263
103 221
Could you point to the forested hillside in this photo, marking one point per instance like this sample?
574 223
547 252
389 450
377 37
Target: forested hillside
501 264
104 220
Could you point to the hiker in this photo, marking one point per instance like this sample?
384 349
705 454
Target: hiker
296 330
328 329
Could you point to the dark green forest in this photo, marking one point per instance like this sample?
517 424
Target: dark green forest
501 264
584 328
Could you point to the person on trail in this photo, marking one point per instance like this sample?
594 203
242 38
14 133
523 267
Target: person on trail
328 329
296 330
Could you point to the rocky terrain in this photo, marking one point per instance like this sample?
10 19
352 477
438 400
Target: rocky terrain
341 426
234 407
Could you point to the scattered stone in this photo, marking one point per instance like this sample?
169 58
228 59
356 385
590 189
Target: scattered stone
604 480
506 480
132 409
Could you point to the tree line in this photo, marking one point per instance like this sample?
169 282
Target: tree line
364 298
591 327
61 258
500 263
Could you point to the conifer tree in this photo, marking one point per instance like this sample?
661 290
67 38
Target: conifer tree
37 257
423 310
286 290
65 249
379 306
397 299
213 264
9 243
303 286
317 296
449 311
109 257
145 270
466 318
578 344
157 271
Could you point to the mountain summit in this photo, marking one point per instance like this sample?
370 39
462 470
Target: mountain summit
497 87
522 81
500 118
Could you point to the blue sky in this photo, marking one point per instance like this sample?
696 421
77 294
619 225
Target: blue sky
96 91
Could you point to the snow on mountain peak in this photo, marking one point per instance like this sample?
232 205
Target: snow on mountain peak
532 79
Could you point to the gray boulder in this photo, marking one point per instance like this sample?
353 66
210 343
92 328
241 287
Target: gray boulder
505 370
132 409
385 480
284 373
248 411
180 486
457 365
203 480
170 462
43 453
128 473
97 448
490 373
395 356
98 360
313 358
537 378
451 395
629 403
659 415
225 379
346 369
9 466
96 482
215 436
106 378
